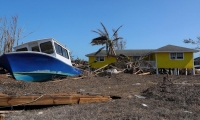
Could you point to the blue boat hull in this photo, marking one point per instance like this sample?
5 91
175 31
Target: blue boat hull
36 67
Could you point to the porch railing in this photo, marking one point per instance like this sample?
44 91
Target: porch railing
147 64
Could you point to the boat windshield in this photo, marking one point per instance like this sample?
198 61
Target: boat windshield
35 48
61 51
46 47
22 49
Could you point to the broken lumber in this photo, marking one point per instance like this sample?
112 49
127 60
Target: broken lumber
101 68
79 78
115 67
147 73
8 111
98 73
1 117
89 100
56 81
137 71
51 99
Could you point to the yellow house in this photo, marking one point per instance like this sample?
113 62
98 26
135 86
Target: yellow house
169 56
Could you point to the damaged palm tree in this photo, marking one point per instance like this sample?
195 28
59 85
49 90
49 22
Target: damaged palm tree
104 39
122 61
110 43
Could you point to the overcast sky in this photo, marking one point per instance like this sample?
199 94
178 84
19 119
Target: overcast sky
147 24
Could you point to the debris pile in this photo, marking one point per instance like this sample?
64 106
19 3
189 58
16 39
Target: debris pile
123 65
180 93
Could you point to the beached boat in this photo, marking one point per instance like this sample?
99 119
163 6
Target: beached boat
39 60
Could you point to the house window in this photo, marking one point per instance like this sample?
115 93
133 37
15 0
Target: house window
178 56
99 58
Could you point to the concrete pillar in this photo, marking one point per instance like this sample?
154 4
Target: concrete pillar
185 71
157 71
193 71
177 71
171 71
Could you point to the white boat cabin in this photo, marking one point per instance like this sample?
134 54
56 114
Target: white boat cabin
49 46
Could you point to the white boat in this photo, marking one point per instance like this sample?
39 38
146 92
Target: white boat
39 60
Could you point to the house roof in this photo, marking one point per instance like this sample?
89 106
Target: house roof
125 52
197 59
173 48
167 48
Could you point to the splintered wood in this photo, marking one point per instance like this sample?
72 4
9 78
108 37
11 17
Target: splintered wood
51 99
1 117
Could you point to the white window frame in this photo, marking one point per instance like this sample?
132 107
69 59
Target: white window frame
99 58
176 56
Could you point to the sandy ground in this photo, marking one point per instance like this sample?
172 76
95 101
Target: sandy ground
142 98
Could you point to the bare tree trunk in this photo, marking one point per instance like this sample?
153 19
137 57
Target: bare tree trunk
119 44
9 34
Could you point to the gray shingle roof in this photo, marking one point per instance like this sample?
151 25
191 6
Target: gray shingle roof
167 48
173 48
125 52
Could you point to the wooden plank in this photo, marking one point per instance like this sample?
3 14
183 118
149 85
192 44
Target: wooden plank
118 69
2 95
79 77
1 117
89 100
37 100
101 68
98 73
8 111
56 81
52 99
147 73
137 72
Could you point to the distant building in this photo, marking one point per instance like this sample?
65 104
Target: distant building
197 61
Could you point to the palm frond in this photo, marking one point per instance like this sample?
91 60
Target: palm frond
99 40
102 33
107 46
117 30
115 35
99 50
105 30
120 38
98 32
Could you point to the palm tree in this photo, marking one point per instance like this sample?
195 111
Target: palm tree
105 40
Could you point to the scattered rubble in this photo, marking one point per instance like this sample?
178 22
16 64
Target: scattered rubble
180 93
